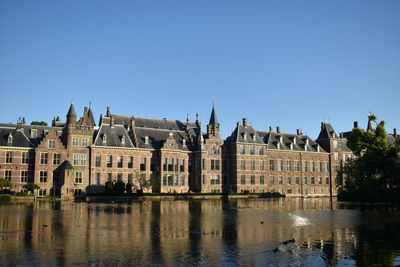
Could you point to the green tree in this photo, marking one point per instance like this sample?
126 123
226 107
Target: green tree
4 183
119 187
39 123
109 186
142 182
31 187
128 188
374 172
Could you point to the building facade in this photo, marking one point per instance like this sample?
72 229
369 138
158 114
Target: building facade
76 157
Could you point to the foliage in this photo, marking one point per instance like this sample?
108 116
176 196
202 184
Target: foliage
39 123
374 173
21 194
128 188
142 182
5 198
4 183
109 187
119 187
31 187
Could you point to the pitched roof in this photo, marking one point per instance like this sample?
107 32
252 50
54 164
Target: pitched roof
153 122
114 136
288 141
157 137
71 111
327 131
18 138
245 134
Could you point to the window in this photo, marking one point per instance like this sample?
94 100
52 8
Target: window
109 176
24 176
305 179
261 150
213 150
280 180
297 180
280 162
56 158
56 177
327 180
288 165
182 179
261 179
326 166
243 179
142 164
170 164
97 178
119 177
252 150
312 180
97 162
335 144
243 164
75 141
319 166
214 179
43 176
304 165
289 180
261 165
296 165
7 175
252 165
78 177
83 160
253 179
242 149
119 161
271 179
78 192
42 192
33 133
312 166
204 179
44 158
214 164
130 178
52 144
289 191
10 139
9 157
85 142
130 162
76 159
271 165
25 157
109 161
320 180
335 156
182 165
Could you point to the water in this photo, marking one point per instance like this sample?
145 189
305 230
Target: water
245 232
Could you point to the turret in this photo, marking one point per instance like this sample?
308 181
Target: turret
71 115
213 125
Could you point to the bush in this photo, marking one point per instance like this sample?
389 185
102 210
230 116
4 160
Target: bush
21 194
5 198
109 187
119 187
128 188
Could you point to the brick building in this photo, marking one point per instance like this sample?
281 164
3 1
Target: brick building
76 157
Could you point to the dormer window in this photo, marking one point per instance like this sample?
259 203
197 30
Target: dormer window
278 145
294 139
280 138
123 140
306 141
146 139
10 139
291 146
184 142
104 139
244 136
318 148
33 133
253 136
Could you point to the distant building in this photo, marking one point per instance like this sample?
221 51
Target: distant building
77 157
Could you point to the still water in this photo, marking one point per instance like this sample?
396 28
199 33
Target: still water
245 232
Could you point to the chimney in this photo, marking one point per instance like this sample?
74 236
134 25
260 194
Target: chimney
299 132
356 124
244 122
270 128
322 125
278 129
341 135
394 132
108 112
112 123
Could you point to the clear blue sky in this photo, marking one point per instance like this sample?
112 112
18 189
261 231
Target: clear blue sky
279 63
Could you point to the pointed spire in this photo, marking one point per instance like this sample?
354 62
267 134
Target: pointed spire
213 118
71 115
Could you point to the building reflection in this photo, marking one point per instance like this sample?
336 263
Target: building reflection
198 232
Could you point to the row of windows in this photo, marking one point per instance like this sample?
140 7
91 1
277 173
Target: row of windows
76 141
292 191
79 159
44 158
215 164
252 150
173 180
23 175
173 164
312 167
10 157
289 180
120 162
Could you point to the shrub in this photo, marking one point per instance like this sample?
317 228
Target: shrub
5 198
128 188
109 187
22 194
119 187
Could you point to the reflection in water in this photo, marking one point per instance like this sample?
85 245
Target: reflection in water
249 232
